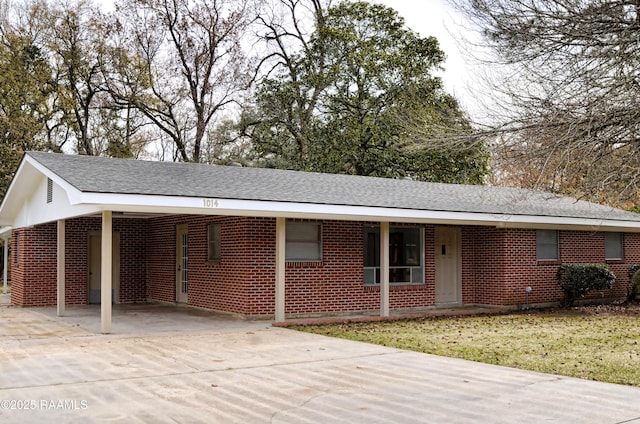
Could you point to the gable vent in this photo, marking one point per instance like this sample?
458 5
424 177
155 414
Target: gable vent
49 190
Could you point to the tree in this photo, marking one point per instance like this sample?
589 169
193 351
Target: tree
75 42
26 90
569 95
359 96
192 61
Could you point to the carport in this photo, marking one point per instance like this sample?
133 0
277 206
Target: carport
72 190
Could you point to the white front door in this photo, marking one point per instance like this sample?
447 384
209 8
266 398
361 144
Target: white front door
447 264
182 262
95 266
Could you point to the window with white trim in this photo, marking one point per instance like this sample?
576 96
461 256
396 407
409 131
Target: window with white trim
304 242
214 233
406 255
613 246
547 245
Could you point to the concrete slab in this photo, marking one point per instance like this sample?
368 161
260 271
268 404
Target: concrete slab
196 367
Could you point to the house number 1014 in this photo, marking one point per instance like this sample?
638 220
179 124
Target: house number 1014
210 203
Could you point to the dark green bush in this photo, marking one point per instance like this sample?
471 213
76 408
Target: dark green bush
576 281
632 270
634 288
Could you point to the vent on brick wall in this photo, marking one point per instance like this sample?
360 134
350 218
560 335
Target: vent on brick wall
49 190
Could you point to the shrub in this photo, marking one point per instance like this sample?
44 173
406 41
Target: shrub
634 289
577 280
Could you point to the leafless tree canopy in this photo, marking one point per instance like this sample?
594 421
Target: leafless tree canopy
569 87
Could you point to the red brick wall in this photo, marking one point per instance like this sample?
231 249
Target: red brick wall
497 266
505 265
34 275
243 281
219 285
34 278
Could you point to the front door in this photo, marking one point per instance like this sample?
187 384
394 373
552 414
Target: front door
95 266
182 262
447 264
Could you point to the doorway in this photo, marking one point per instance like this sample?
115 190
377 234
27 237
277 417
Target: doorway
182 264
95 267
447 265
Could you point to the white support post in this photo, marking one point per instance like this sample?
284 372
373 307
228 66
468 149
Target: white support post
61 267
6 265
281 240
384 269
105 271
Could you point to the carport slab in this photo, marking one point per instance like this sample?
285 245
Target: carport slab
221 370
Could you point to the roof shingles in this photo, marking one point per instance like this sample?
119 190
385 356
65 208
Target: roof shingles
123 176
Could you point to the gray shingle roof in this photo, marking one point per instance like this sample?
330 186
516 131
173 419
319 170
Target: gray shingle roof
122 176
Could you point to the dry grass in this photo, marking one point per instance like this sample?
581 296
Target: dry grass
590 346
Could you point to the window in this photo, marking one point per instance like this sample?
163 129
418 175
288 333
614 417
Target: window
406 253
613 246
304 242
214 252
547 245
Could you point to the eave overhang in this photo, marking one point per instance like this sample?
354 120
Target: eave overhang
238 207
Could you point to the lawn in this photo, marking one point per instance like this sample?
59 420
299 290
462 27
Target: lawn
590 346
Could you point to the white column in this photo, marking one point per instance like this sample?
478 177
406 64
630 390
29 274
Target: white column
105 271
6 265
281 240
384 269
61 266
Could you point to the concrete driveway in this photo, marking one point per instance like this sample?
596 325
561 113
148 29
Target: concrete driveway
177 365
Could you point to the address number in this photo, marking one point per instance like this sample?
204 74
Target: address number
210 203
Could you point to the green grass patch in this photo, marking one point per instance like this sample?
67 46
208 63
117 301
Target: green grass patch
601 348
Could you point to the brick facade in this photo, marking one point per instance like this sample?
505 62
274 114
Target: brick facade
33 281
496 266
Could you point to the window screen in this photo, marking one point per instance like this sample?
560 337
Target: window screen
304 242
547 245
613 246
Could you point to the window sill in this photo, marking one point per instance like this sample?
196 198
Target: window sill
549 262
394 287
614 261
303 264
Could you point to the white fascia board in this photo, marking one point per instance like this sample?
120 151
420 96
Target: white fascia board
210 206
